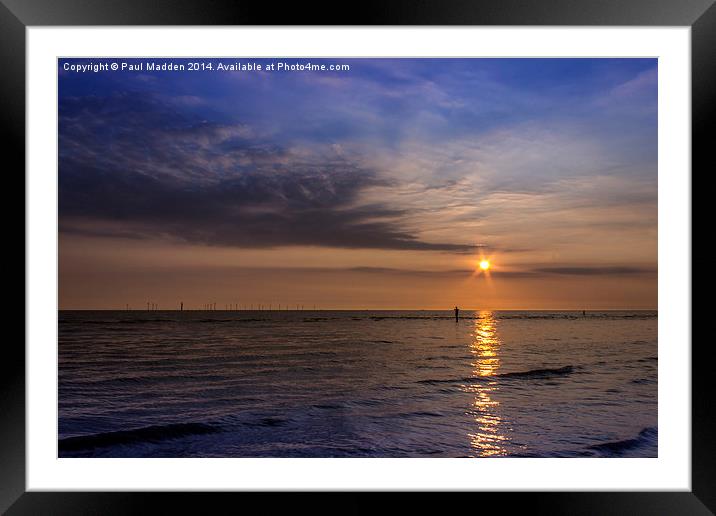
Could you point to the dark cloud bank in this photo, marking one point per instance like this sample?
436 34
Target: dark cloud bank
136 166
537 272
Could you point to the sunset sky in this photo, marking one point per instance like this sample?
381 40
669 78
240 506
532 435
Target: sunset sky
378 187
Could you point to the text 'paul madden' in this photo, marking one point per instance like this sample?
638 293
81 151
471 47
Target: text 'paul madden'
204 66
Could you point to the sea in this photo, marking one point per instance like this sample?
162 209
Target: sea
357 384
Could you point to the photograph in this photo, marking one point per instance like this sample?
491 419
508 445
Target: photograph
375 257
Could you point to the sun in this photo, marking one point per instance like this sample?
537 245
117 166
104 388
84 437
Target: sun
484 265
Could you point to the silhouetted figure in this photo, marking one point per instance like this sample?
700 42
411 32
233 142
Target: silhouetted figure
181 306
457 313
584 313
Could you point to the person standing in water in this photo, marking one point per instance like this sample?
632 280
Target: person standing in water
457 312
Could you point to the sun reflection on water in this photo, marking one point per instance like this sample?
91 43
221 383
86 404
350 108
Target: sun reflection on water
487 439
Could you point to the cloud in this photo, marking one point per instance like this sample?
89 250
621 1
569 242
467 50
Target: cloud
527 273
596 271
136 165
645 83
398 154
534 273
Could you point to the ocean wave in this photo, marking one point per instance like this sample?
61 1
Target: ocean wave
328 406
236 320
267 421
531 374
647 436
151 434
642 381
540 373
648 359
421 413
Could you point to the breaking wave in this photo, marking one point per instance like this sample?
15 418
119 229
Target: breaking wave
527 375
150 434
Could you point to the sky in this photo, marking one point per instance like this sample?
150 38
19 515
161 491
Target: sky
378 187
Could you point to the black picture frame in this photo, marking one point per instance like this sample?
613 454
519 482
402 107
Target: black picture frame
17 15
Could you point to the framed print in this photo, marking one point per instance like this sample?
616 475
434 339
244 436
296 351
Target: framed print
425 249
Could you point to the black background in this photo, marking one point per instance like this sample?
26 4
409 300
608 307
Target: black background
16 15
